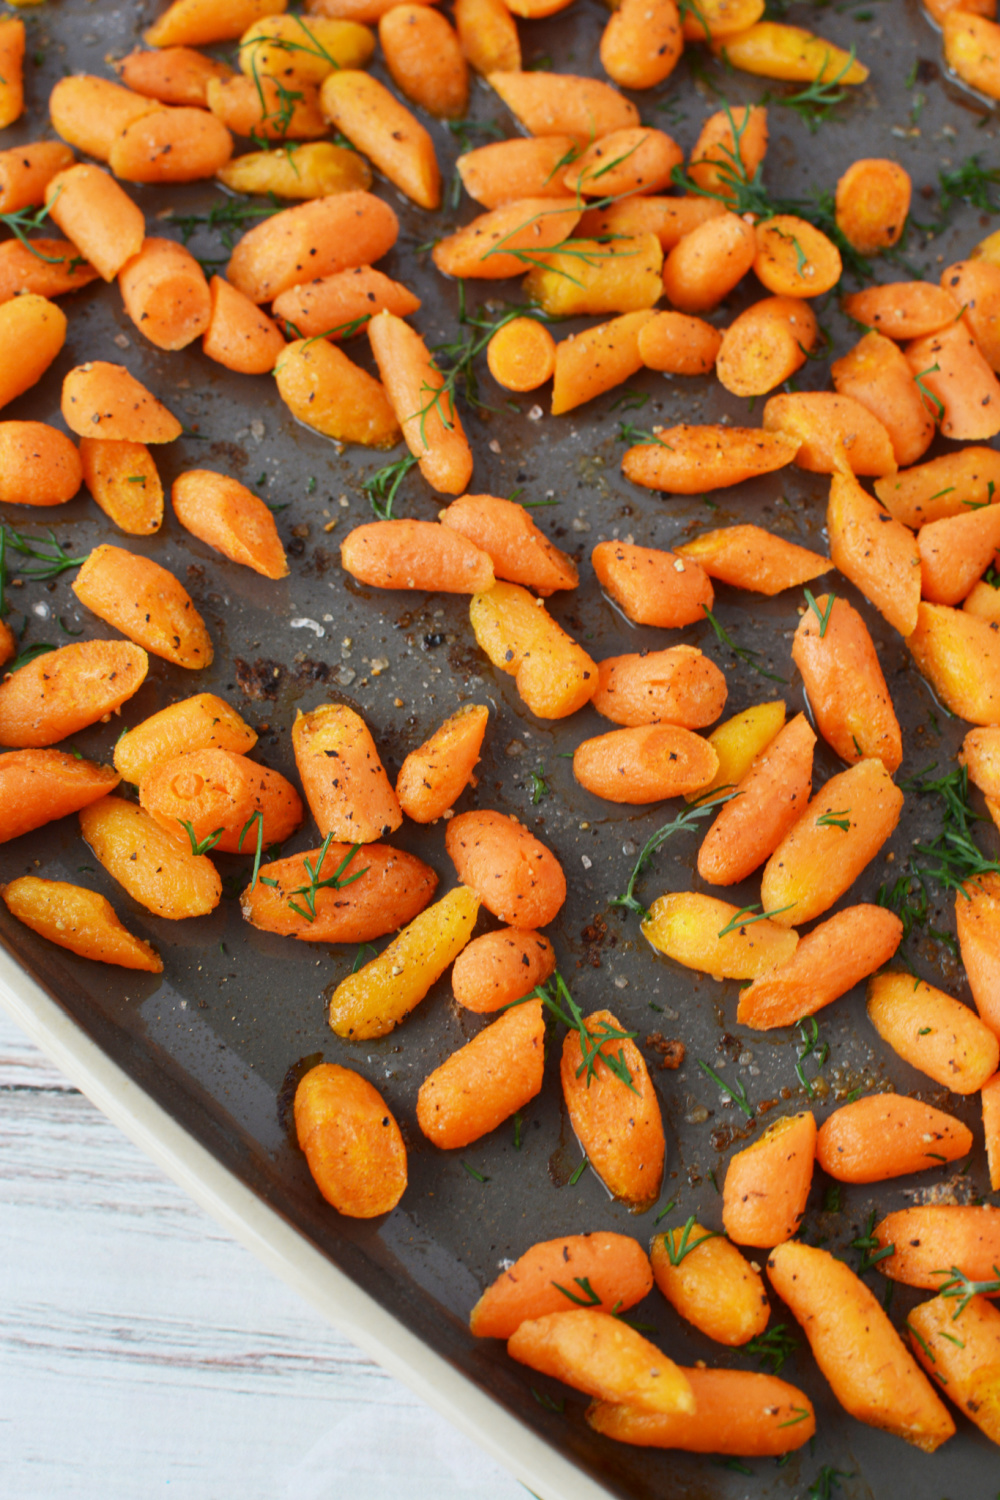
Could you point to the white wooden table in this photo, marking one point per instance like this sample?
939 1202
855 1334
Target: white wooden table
143 1352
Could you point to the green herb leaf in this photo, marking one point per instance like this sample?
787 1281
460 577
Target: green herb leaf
684 822
207 843
743 652
679 1251
735 1091
773 1348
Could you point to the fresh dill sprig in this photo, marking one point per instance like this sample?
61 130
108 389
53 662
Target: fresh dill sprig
677 1252
963 1288
822 615
28 655
228 218
51 555
871 1250
539 786
816 103
827 1480
811 1046
841 820
23 220
200 846
592 1038
774 1348
381 486
743 652
736 1092
258 818
629 433
681 824
744 919
333 881
589 1298
969 183
933 403
953 858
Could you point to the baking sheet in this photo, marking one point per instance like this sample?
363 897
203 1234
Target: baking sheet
220 1038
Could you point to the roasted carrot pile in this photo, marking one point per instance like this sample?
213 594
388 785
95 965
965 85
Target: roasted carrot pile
680 260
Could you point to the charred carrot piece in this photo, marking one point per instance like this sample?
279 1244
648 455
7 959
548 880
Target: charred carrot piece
80 920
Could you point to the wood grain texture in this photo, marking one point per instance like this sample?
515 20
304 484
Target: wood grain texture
141 1348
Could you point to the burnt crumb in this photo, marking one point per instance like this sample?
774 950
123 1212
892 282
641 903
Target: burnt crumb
260 681
296 547
725 1135
927 71
729 1046
290 1082
432 641
670 1051
321 561
230 453
195 575
594 936
309 670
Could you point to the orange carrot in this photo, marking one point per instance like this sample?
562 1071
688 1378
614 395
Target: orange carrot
97 215
830 430
312 169
876 374
519 551
872 1374
172 145
338 306
642 43
37 786
348 792
690 460
514 170
615 1113
425 411
26 171
903 309
488 34
407 554
977 917
876 553
156 870
959 389
670 219
11 69
709 1283
514 875
991 1127
676 686
227 516
375 122
615 1265
820 858
589 363
394 888
553 675
433 777
425 58
165 294
767 1184
678 345
203 722
328 392
509 239
486 1081
748 557
39 465
588 276
975 286
639 160
564 104
980 754
737 1411
123 480
222 800
828 962
652 587
312 239
8 643
645 764
351 1141
64 691
62 271
795 259
199 23
955 552
947 486
603 1356
101 400
79 920
521 355
701 932
873 200
932 1243
888 1135
32 333
959 654
766 344
932 1031
173 75
961 1346
265 110
731 141
90 113
847 690
146 603
767 803
500 967
706 264
239 335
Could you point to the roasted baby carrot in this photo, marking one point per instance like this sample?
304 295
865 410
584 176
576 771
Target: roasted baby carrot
203 722
614 1111
517 169
425 58
959 654
980 754
765 345
553 675
603 1356
670 219
63 269
738 1412
433 777
328 392
239 335
932 1032
903 309
513 238
26 171
589 363
970 50
766 804
265 110
230 518
37 786
8 643
515 876
772 50
221 800
424 409
499 968
975 286
488 34
312 239
828 962
977 918
381 994
39 465
955 552
732 143
934 1244
375 122
320 897
64 691
645 764
877 553
173 75
80 920
708 1282
172 145
32 333
146 603
408 554
984 602
520 552
165 294
486 1081
351 1141
676 686
653 587
348 792
678 344
122 478
795 259
341 305
642 43
991 1127
564 104
701 932
90 113
837 835
737 741
521 355
101 400
872 202
888 1135
11 69
876 374
297 51
152 866
639 160
847 690
830 430
593 276
689 460
960 1344
767 1184
706 264
545 1280
959 389
871 1373
748 557
199 23
946 486
97 215
312 169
